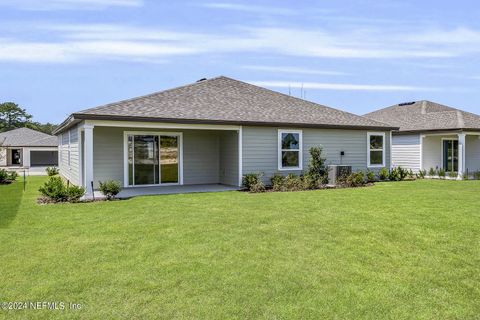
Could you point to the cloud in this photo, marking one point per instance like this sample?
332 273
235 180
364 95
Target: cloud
49 5
295 70
76 42
247 8
338 86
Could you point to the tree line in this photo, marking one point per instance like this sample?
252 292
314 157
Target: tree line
12 116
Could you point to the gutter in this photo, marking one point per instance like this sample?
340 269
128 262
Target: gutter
77 117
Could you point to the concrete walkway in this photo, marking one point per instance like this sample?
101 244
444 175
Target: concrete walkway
156 190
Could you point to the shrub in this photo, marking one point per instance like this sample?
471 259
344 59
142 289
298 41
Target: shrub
310 182
476 175
452 174
411 175
371 176
384 174
250 179
317 170
441 173
398 174
432 172
55 190
52 171
7 177
74 193
277 182
421 174
293 183
257 187
109 188
355 179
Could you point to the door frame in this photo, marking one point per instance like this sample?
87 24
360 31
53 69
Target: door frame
153 133
443 152
20 156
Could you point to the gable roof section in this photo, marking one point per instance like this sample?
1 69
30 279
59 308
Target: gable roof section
426 116
224 100
25 137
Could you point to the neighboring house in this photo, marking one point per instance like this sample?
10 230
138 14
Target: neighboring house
434 136
25 148
212 132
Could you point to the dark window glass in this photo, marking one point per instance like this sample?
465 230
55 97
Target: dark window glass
146 159
290 159
290 141
376 157
169 159
376 142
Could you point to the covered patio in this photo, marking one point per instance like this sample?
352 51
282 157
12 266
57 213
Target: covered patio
457 152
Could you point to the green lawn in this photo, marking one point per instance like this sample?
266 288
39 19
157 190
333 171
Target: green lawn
393 251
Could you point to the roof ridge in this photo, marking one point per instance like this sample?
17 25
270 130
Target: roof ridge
303 100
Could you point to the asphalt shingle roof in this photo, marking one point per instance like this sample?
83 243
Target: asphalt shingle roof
426 116
229 101
25 137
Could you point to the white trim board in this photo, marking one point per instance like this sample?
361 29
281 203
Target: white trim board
299 150
382 134
159 125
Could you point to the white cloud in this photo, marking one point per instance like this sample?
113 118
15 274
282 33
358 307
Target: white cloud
48 5
247 8
74 42
338 86
295 70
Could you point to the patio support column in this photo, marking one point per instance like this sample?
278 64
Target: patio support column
461 155
88 158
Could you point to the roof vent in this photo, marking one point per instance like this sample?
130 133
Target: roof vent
203 79
406 103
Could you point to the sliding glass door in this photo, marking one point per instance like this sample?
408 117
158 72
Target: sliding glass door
153 159
450 155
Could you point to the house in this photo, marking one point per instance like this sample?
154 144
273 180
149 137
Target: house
212 132
432 135
25 148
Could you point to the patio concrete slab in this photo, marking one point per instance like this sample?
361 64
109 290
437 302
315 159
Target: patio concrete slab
158 190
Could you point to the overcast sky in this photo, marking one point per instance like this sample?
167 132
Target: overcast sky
61 56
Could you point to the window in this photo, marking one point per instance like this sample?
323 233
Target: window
376 150
289 150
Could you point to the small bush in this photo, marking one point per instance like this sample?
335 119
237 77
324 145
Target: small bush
74 193
371 176
277 182
441 173
384 174
355 179
398 174
110 188
476 175
52 171
293 183
432 172
310 182
422 174
250 179
452 174
317 170
411 175
257 187
7 177
55 190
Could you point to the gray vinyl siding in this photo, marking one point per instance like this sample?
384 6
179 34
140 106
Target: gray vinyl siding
406 152
201 155
472 153
69 146
229 158
260 149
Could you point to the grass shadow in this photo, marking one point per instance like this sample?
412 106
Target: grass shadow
10 199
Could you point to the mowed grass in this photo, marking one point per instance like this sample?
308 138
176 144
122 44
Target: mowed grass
405 250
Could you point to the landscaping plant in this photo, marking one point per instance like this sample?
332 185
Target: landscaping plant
52 171
441 173
421 174
277 182
55 190
384 174
252 182
109 188
317 170
452 174
371 176
432 172
7 177
398 174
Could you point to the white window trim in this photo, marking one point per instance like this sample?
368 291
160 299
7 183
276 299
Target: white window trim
300 150
370 134
152 133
